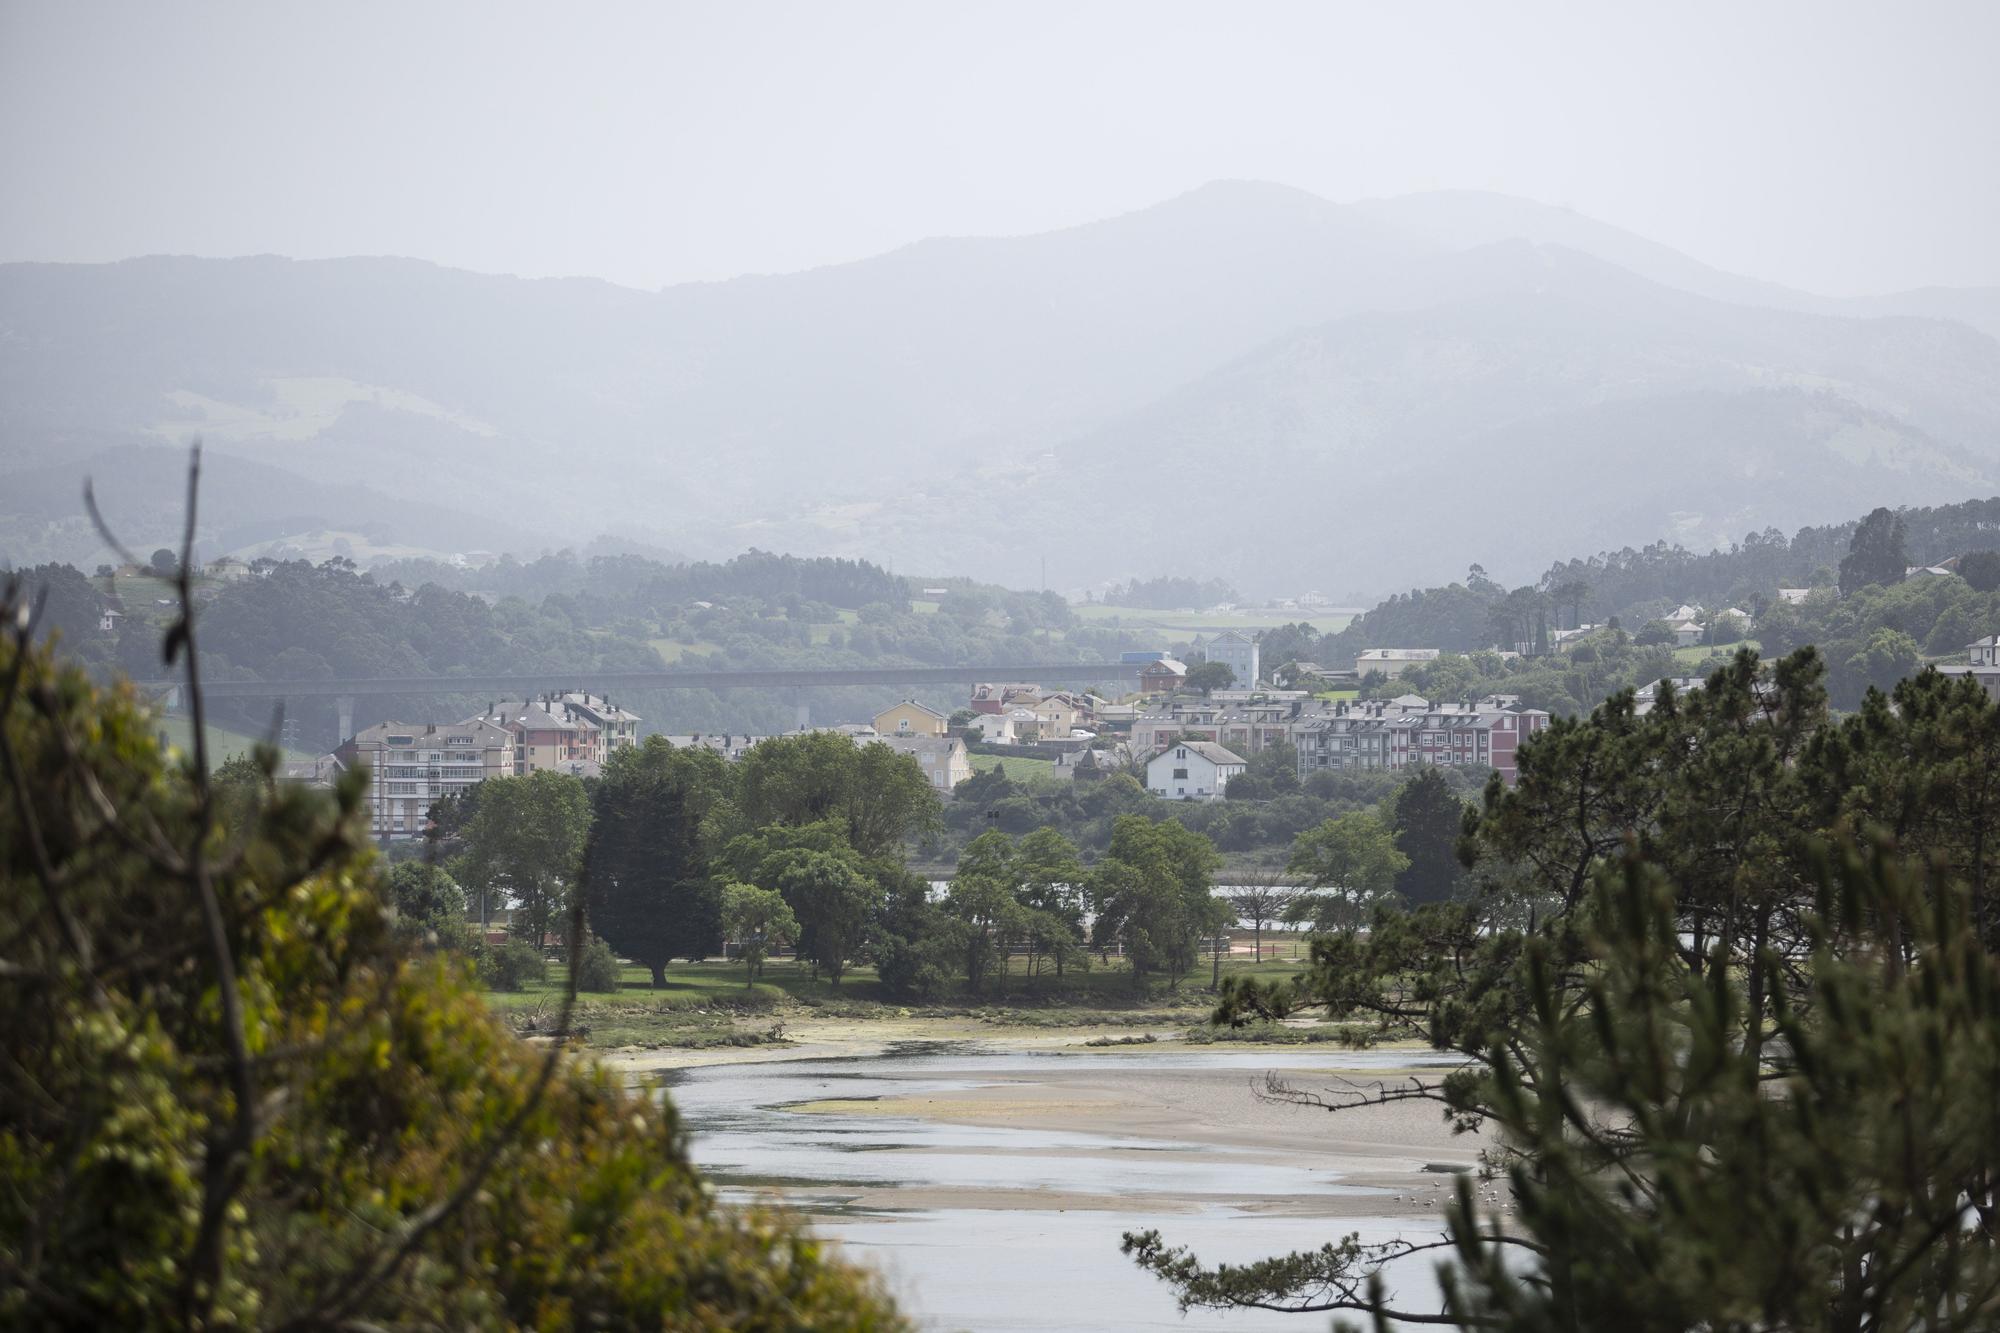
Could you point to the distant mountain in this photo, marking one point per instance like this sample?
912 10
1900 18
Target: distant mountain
1245 355
1567 405
244 505
1471 219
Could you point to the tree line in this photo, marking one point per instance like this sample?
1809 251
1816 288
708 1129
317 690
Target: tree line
802 845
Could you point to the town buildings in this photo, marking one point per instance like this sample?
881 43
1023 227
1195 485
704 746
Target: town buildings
619 728
412 766
1237 651
552 734
997 698
944 759
1162 677
1192 771
910 718
1392 662
1399 734
1982 664
1245 726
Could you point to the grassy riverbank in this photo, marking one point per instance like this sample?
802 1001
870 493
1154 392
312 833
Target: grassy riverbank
706 1005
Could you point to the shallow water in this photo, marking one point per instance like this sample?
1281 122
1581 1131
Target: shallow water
1019 1265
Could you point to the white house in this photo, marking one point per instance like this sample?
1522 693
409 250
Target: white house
1238 652
1984 652
1016 726
1192 770
1393 662
1687 633
942 758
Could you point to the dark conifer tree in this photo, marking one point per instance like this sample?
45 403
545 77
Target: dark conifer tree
647 881
1427 822
1877 555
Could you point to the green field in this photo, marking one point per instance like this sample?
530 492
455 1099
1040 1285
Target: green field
707 1004
223 744
1132 617
1017 769
1699 654
672 650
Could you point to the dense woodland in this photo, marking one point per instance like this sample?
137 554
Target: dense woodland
1872 627
304 621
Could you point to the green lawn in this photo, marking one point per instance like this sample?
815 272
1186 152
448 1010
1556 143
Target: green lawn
707 1004
1699 654
1017 769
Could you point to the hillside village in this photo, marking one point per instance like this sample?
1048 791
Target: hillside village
1208 701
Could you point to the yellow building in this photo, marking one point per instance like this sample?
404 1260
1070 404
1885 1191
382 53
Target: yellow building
1058 715
910 718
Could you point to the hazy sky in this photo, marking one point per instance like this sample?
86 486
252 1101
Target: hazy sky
1844 148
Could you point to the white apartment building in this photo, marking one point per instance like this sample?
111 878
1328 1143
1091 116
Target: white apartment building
411 766
1393 662
1239 652
620 727
944 759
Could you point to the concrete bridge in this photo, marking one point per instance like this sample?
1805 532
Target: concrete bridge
345 690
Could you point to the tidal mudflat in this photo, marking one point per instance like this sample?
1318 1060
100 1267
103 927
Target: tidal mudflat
990 1183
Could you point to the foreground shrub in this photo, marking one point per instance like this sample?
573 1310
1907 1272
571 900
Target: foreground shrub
597 967
513 965
230 1095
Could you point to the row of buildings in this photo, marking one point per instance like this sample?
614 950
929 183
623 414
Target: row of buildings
412 766
1329 735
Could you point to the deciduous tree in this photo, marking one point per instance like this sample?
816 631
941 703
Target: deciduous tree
1152 892
525 842
1349 861
758 920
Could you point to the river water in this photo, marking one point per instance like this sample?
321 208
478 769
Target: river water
1009 1227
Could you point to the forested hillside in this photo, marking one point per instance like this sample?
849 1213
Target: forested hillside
300 621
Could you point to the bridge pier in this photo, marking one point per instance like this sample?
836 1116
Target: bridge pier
801 710
344 707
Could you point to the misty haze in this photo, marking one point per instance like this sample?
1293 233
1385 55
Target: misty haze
881 666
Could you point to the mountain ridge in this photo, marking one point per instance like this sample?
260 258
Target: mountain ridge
885 406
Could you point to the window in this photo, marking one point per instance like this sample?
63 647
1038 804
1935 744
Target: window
1180 773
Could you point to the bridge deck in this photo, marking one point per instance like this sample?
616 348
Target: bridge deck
598 682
